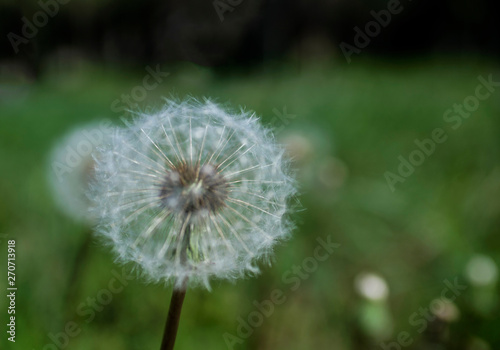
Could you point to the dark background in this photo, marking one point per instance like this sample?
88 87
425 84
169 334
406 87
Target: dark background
250 32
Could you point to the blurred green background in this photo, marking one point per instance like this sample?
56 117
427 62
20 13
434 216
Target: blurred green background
347 126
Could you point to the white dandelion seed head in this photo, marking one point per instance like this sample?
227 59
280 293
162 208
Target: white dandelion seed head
481 270
372 286
71 169
193 191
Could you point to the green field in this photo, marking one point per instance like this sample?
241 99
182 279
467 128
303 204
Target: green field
350 124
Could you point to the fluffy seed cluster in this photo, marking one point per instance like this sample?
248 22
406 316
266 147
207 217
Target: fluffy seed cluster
71 169
193 191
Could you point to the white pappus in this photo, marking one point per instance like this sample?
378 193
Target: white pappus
194 191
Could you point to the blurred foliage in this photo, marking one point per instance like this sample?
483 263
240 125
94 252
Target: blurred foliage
352 123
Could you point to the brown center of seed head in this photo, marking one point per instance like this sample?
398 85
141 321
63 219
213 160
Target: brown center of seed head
189 189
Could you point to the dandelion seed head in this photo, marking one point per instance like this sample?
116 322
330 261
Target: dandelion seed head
71 170
194 190
372 287
481 270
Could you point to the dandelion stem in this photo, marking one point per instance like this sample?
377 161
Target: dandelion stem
174 314
178 294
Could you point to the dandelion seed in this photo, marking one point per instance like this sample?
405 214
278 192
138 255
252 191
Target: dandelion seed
192 192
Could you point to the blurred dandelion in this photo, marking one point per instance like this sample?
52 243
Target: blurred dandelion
192 193
481 270
70 173
319 171
371 286
374 315
447 310
71 169
482 273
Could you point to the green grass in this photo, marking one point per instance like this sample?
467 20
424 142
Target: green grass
361 116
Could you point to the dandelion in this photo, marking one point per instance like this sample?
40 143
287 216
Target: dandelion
481 271
71 169
70 172
192 193
374 315
372 287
